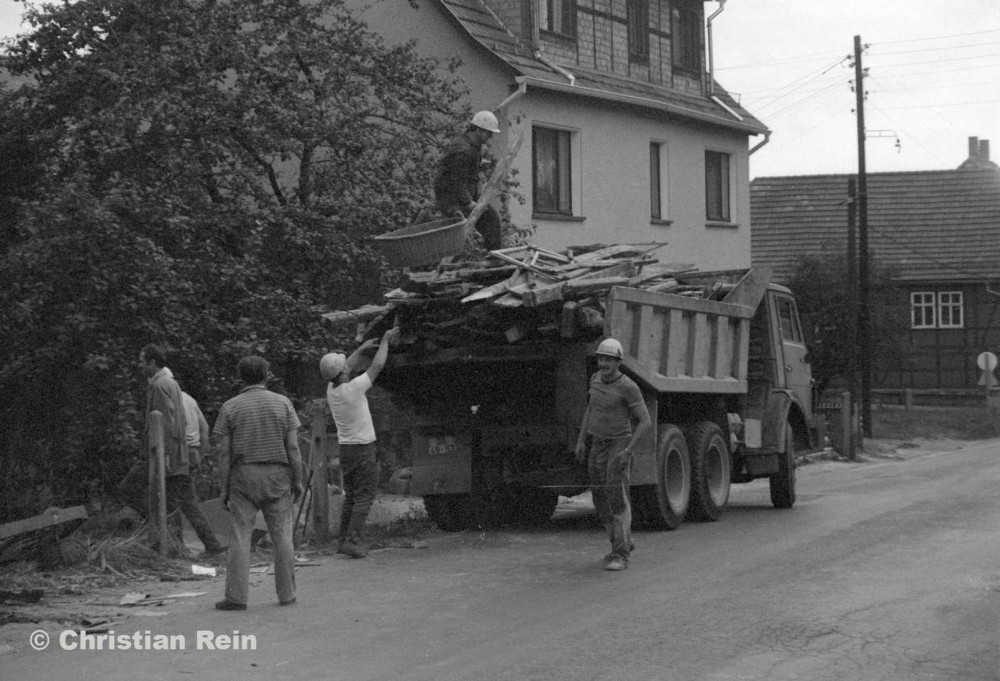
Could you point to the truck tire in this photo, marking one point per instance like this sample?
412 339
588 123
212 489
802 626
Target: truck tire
662 506
710 471
450 512
783 482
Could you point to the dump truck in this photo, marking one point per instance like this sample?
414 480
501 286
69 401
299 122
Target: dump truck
493 423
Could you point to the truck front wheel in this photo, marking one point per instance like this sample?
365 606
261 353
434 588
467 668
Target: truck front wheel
710 471
450 512
783 482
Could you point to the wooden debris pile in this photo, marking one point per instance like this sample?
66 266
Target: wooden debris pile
519 294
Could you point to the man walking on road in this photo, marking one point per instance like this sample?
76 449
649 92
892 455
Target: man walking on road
261 469
356 436
615 401
164 395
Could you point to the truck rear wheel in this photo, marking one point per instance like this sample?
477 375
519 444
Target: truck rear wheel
783 482
662 506
450 512
710 471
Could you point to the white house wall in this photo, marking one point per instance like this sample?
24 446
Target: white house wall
610 156
610 153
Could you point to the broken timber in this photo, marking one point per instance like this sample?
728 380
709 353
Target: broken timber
523 294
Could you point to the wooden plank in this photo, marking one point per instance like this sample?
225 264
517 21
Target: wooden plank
54 516
496 178
497 289
361 314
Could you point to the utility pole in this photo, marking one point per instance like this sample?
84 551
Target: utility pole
852 306
864 331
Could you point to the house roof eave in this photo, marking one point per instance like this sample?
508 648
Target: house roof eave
669 107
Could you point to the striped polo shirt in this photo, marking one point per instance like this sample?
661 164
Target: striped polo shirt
257 421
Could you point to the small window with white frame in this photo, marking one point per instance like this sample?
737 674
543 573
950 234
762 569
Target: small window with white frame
950 310
937 310
658 208
717 186
552 171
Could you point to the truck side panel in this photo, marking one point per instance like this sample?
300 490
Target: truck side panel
678 344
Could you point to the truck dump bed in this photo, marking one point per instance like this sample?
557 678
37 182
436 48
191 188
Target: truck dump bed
675 343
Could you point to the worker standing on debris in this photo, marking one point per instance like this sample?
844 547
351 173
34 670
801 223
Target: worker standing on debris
163 394
355 435
456 187
615 401
261 470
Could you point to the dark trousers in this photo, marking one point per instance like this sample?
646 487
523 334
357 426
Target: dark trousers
359 465
134 491
488 224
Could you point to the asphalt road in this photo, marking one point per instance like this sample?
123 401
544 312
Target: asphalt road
882 571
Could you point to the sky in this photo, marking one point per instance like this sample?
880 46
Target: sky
933 79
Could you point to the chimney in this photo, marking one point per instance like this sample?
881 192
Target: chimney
973 149
984 151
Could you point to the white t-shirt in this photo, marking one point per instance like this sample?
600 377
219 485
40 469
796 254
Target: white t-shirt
350 411
192 425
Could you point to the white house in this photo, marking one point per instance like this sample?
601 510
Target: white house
627 136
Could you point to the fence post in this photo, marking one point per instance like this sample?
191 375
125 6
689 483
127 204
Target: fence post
908 399
320 492
157 485
847 426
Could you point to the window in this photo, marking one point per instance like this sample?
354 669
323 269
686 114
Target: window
922 311
638 31
551 171
686 35
936 310
657 209
717 186
559 16
790 330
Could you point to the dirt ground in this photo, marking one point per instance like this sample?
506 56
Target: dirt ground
93 599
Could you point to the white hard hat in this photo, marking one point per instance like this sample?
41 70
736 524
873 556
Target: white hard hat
487 121
611 348
332 365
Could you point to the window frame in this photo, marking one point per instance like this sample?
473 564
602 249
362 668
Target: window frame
563 171
637 20
718 186
658 199
558 17
686 36
928 310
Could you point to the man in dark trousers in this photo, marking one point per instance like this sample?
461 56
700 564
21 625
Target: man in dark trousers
615 402
261 470
456 187
346 395
163 394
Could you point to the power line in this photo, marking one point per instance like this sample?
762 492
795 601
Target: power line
938 106
939 37
935 49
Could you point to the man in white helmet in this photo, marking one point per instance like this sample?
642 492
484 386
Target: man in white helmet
615 403
356 435
456 187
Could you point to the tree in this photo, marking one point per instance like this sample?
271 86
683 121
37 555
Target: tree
822 290
205 175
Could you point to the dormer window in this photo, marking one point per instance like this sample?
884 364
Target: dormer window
638 31
686 34
559 17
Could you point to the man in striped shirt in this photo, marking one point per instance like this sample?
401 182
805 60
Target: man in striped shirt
261 469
